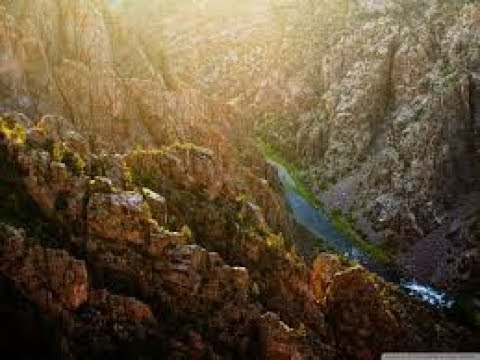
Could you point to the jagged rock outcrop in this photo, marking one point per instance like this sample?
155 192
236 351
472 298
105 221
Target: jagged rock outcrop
57 284
126 251
122 217
51 278
144 222
281 342
357 99
324 267
359 306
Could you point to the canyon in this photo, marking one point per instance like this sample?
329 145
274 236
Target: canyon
143 214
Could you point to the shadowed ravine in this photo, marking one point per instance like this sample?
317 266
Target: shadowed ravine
318 223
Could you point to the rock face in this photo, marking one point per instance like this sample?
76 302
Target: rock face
57 284
115 232
359 307
392 139
138 220
372 310
380 108
51 278
324 267
282 342
122 216
352 105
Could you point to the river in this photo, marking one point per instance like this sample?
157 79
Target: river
318 223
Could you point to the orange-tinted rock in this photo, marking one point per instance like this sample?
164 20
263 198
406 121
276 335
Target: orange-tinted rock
121 216
121 308
358 311
324 267
50 278
280 342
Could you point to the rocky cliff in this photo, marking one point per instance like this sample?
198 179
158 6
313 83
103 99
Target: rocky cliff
139 220
392 138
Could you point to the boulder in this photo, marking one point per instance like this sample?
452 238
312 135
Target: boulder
119 216
52 279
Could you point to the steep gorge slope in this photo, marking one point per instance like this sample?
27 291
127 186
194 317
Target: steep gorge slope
377 103
394 138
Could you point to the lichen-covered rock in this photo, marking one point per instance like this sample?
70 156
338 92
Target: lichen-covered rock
188 166
157 204
52 175
121 216
111 166
161 240
101 185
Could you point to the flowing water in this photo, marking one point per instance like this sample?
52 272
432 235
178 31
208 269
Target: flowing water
318 223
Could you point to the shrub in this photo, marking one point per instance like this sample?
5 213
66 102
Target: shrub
55 149
74 162
13 131
143 177
187 232
276 242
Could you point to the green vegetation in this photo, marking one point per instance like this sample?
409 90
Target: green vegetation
276 242
344 224
61 153
141 175
13 131
187 232
276 129
144 177
74 162
55 149
270 153
446 76
190 147
241 198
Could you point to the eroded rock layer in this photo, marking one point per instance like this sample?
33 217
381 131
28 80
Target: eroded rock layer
139 220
